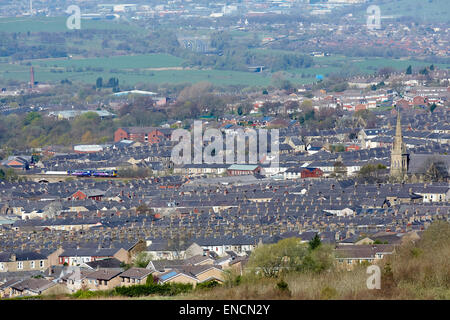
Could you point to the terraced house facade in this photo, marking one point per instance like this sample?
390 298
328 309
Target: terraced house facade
22 261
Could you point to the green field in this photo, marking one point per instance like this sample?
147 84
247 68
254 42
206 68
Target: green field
126 75
151 68
334 64
58 24
371 65
115 62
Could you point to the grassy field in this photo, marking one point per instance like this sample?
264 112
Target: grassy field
115 62
329 64
47 72
58 24
164 68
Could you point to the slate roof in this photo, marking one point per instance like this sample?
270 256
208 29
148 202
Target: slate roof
104 263
35 285
104 274
136 273
21 256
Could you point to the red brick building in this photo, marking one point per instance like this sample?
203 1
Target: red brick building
403 104
142 134
352 147
311 173
94 194
420 101
16 163
360 107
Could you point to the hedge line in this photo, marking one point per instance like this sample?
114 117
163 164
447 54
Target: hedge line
166 289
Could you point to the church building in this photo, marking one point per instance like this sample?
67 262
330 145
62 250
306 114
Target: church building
399 155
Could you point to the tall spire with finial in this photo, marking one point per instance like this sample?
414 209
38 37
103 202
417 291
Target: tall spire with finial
399 157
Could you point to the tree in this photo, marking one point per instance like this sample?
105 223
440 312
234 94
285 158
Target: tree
87 137
385 71
409 70
291 106
424 71
113 83
270 259
437 170
306 104
141 260
143 209
279 81
432 107
8 174
31 117
371 172
99 82
315 242
178 244
339 168
244 108
290 255
368 116
149 280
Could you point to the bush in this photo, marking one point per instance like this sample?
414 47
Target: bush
166 289
282 285
86 294
208 285
328 293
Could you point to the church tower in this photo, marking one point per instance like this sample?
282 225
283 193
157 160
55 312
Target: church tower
399 157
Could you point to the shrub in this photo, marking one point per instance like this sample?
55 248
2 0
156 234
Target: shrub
208 285
328 293
282 285
86 294
166 289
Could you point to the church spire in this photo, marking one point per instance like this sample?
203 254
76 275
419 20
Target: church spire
399 158
398 129
398 140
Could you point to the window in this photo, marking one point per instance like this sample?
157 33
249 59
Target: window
41 264
20 265
1 266
32 264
